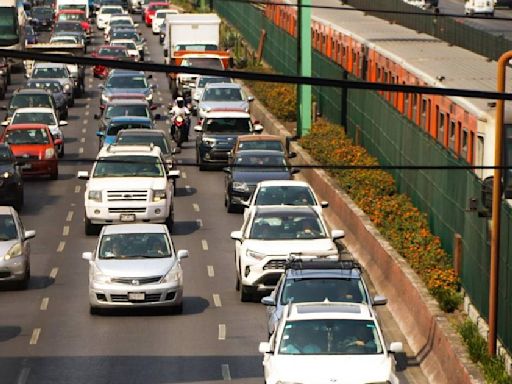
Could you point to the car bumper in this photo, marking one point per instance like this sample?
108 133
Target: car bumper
118 295
39 168
123 213
262 274
13 269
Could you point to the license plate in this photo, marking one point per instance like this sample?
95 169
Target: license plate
136 296
26 166
127 217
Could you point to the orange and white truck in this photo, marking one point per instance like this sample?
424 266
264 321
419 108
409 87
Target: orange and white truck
192 40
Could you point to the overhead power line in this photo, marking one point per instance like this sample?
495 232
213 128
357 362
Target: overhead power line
266 77
370 10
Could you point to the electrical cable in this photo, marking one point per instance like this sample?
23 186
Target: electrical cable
273 78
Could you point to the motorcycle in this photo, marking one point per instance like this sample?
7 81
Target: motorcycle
179 129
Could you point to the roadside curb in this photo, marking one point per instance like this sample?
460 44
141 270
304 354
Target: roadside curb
439 349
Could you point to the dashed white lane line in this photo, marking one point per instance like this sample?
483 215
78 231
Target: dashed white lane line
160 98
77 188
82 140
86 121
69 217
158 92
87 106
183 175
84 130
44 304
196 207
222 331
216 300
86 113
35 336
211 271
53 273
61 246
81 150
204 244
65 230
23 377
226 374
199 223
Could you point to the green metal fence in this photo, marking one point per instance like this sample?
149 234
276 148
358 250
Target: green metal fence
452 30
393 139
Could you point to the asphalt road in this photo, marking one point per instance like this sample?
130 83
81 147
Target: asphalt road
46 332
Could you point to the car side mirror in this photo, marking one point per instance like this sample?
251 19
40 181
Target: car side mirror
258 128
268 301
292 155
100 133
236 235
226 170
265 347
30 234
379 300
396 347
337 234
250 98
87 256
62 123
246 203
97 116
174 174
324 204
182 254
83 175
294 170
198 128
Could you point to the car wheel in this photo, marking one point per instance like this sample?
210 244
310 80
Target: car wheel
20 201
61 151
90 228
23 284
55 174
246 293
170 219
94 310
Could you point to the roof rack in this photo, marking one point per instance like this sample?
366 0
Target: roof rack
320 261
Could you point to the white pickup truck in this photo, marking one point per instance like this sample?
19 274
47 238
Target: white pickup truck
129 183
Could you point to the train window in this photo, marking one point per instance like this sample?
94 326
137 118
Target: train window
378 74
464 144
451 135
440 128
423 113
414 115
393 94
479 153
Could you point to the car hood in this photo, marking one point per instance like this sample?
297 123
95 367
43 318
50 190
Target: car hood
136 267
330 369
287 246
224 105
113 91
254 176
6 245
126 183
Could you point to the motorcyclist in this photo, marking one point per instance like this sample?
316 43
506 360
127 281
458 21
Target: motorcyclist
179 109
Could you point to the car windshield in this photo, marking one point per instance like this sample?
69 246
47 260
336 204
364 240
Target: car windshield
228 125
68 27
260 162
304 290
129 166
72 17
204 62
126 35
330 337
78 7
115 52
222 94
127 110
34 118
127 82
113 129
284 195
111 11
272 145
27 136
207 80
159 141
135 246
154 7
42 12
120 22
26 101
8 229
287 226
127 44
197 47
50 73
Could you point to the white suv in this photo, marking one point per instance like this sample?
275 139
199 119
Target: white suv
329 343
269 236
128 183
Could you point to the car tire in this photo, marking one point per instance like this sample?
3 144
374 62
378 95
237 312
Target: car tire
232 208
23 284
55 174
19 202
94 310
90 228
246 293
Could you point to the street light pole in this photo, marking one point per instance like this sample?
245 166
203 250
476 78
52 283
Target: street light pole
497 193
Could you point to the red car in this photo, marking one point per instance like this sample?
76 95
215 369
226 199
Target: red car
74 15
149 12
109 52
34 146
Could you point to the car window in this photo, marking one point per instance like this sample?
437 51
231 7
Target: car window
127 110
132 166
30 101
305 290
50 73
272 145
228 125
34 118
287 227
27 136
135 246
8 230
284 195
259 162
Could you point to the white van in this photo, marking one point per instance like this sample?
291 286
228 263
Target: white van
82 5
479 7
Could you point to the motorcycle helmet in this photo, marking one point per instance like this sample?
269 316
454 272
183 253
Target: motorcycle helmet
180 102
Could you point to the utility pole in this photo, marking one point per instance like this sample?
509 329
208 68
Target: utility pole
303 66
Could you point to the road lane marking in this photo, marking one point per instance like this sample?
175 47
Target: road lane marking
81 150
211 271
35 336
179 161
23 377
69 217
183 175
199 223
160 98
82 140
216 300
188 188
44 304
61 246
196 207
86 106
204 244
226 375
84 130
86 113
77 188
222 331
158 92
86 121
53 273
65 231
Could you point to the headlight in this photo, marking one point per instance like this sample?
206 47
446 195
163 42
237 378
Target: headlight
49 153
159 194
209 141
173 275
94 196
104 98
14 251
67 87
239 186
255 255
100 277
7 174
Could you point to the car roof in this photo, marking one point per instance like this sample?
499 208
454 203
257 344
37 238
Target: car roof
230 113
33 90
259 152
327 310
6 210
32 110
284 183
261 137
126 102
133 228
129 150
223 85
121 119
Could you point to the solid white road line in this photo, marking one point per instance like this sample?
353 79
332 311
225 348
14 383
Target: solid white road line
23 377
61 246
226 375
69 217
216 300
196 207
65 230
44 304
204 244
53 273
211 271
35 336
222 331
77 188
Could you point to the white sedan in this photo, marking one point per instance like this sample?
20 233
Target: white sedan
130 46
269 236
105 13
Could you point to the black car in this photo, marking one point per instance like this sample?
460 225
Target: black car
55 88
11 183
42 18
70 27
247 169
27 98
